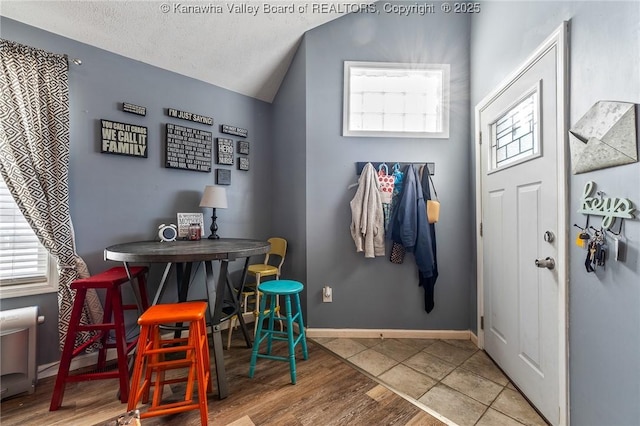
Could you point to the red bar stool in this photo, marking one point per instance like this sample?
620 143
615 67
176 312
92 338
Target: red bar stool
150 359
113 319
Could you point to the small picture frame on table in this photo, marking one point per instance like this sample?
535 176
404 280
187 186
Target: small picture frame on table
185 223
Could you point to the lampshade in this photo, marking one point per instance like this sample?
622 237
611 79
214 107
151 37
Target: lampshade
214 196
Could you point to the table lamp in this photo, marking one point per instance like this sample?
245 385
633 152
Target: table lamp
216 198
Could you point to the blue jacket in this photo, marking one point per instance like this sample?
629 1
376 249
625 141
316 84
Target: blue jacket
410 227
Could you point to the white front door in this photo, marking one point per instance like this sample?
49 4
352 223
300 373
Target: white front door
521 128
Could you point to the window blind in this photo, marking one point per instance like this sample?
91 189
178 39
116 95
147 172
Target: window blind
22 258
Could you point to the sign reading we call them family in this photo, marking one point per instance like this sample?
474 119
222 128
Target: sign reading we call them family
123 139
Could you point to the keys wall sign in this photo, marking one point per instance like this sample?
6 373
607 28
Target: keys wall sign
610 208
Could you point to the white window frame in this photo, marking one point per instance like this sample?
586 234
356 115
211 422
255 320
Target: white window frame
31 286
444 69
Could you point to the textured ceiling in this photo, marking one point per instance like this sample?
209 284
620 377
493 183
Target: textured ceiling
241 50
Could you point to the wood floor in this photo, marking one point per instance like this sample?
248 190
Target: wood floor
328 392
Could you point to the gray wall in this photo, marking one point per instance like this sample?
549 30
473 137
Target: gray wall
374 293
115 198
604 308
289 160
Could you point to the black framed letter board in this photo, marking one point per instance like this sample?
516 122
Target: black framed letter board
188 148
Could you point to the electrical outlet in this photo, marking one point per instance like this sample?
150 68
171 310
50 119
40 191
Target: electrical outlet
327 294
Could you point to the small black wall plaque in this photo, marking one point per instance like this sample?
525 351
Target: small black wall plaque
233 130
189 116
243 163
224 151
223 177
123 139
134 109
188 148
243 147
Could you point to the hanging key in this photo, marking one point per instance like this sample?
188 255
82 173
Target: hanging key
601 255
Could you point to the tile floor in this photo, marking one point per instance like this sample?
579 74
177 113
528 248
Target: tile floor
451 377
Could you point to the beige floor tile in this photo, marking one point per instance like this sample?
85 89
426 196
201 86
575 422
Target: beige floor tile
513 404
496 418
462 344
372 362
395 349
408 381
430 365
418 343
345 347
368 342
482 365
452 404
470 384
452 354
322 340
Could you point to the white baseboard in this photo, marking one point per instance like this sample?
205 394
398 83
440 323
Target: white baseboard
473 337
388 333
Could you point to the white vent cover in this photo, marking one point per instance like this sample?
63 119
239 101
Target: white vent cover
18 350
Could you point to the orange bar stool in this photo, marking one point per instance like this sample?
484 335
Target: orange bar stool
150 359
113 319
271 290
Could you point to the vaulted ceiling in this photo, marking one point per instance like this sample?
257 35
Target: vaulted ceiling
244 46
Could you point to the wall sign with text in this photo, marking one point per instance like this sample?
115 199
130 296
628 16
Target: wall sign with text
225 151
223 177
188 148
123 139
233 130
134 109
189 116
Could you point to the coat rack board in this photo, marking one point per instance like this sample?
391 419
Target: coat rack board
360 165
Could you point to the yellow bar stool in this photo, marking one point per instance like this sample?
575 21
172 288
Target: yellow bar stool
270 267
271 290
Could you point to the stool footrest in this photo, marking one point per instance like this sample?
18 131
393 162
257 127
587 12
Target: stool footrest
172 364
274 357
162 411
93 376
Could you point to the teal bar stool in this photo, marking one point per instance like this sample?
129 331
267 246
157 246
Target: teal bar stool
271 290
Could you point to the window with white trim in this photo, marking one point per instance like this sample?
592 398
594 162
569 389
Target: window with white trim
25 267
384 99
515 135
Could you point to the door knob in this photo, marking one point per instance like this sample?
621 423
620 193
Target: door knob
548 263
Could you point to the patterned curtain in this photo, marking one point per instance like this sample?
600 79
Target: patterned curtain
34 162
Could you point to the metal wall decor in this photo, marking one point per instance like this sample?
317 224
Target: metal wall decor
224 152
123 139
189 116
604 137
188 148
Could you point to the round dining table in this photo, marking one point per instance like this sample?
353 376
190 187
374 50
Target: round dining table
184 254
